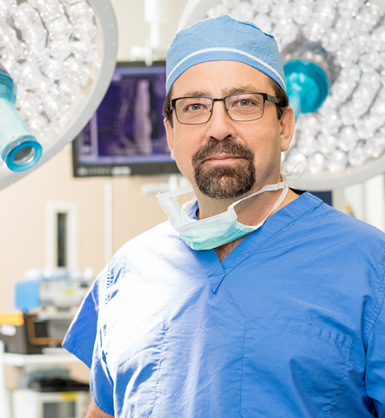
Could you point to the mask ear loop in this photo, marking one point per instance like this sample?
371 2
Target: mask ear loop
296 171
180 192
189 203
268 188
280 199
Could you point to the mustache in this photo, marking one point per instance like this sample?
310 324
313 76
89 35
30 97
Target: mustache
226 146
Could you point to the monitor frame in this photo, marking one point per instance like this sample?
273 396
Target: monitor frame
137 165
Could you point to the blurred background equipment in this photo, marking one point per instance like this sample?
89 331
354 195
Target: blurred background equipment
46 304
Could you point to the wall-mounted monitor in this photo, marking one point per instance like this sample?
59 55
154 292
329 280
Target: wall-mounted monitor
126 135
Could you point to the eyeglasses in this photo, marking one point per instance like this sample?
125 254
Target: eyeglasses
242 107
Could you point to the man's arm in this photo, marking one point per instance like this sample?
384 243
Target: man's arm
94 412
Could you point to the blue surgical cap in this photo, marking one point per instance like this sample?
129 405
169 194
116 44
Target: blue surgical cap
224 38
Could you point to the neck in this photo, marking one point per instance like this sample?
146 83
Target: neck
249 211
224 250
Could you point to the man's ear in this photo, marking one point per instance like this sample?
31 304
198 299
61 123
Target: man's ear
287 124
170 136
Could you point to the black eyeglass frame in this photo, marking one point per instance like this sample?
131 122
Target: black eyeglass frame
266 98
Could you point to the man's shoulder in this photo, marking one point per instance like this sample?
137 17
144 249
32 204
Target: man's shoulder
328 220
140 254
157 239
160 232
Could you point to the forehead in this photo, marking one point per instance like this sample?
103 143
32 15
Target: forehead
215 78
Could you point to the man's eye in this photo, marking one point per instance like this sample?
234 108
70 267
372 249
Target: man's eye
244 103
194 107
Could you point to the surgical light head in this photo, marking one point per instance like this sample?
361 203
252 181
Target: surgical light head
18 147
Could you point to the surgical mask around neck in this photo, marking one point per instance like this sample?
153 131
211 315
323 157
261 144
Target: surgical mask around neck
212 232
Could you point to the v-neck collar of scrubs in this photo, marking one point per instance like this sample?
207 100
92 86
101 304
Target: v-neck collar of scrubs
290 213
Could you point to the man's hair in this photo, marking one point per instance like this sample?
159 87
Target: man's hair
279 93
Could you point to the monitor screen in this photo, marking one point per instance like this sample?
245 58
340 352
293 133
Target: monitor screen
126 135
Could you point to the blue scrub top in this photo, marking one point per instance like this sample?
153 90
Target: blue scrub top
290 324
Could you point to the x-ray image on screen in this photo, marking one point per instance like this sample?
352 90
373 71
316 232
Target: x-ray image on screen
126 135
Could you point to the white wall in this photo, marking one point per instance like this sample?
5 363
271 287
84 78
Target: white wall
133 30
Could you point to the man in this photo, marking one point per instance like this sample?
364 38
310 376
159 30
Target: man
255 302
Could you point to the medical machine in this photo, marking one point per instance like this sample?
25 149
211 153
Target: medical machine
27 403
46 306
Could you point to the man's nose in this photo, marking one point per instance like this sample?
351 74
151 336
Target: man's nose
220 125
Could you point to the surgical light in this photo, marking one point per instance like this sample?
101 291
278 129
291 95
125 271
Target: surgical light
59 55
18 147
334 61
307 85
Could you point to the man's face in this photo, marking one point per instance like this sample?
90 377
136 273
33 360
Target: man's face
222 158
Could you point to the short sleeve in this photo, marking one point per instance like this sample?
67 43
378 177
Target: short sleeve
83 339
101 384
375 365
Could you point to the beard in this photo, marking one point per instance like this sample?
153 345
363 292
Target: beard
224 182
